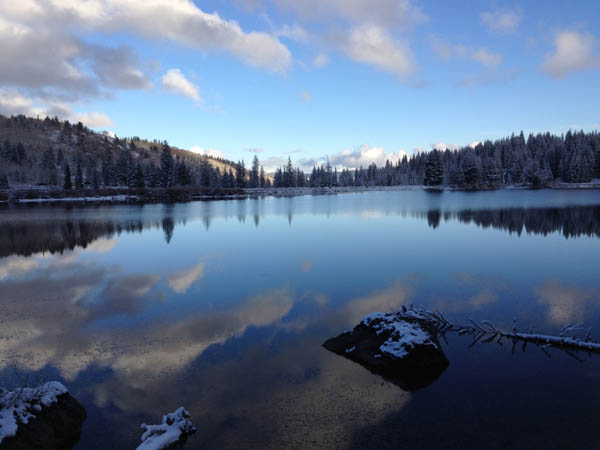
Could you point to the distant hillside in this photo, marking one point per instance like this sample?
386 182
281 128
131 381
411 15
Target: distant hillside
35 152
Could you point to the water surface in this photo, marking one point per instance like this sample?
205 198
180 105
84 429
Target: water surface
222 307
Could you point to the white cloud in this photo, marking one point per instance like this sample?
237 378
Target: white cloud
39 54
372 44
12 102
320 60
306 97
44 56
93 119
208 152
361 156
487 58
365 31
449 51
175 82
255 150
180 21
505 21
399 13
294 32
272 163
573 51
446 50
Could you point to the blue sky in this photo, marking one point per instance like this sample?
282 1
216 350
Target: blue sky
360 81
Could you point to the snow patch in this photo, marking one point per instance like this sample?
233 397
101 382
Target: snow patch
19 406
403 335
173 426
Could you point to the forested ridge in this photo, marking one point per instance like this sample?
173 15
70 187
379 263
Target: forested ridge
57 154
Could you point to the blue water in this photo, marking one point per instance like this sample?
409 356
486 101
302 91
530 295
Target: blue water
222 307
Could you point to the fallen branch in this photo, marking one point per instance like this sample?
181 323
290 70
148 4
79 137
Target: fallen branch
490 332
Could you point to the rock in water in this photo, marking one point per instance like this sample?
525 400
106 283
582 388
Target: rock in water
402 347
55 427
170 434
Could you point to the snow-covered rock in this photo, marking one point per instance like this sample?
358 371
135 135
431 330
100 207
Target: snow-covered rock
402 347
21 405
42 417
174 426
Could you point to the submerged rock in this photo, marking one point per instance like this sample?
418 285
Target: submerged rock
44 418
402 347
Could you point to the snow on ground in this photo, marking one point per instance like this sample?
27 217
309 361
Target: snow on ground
173 426
403 335
21 405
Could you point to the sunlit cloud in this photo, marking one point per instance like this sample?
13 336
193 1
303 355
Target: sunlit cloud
175 82
208 152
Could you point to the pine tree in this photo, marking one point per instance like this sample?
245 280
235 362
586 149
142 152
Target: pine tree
78 175
67 184
240 174
262 177
289 175
166 166
255 173
278 178
434 170
471 168
492 177
139 176
96 179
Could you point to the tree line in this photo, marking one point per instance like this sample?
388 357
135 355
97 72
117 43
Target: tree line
80 159
537 161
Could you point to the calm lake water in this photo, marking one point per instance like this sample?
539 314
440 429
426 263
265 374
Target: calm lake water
222 307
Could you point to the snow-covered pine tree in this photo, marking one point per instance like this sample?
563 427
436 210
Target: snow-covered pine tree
434 169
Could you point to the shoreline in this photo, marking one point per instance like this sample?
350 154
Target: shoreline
119 195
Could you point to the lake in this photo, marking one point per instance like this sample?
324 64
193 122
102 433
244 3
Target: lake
223 306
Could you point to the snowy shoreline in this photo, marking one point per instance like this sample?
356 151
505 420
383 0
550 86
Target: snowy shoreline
260 192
